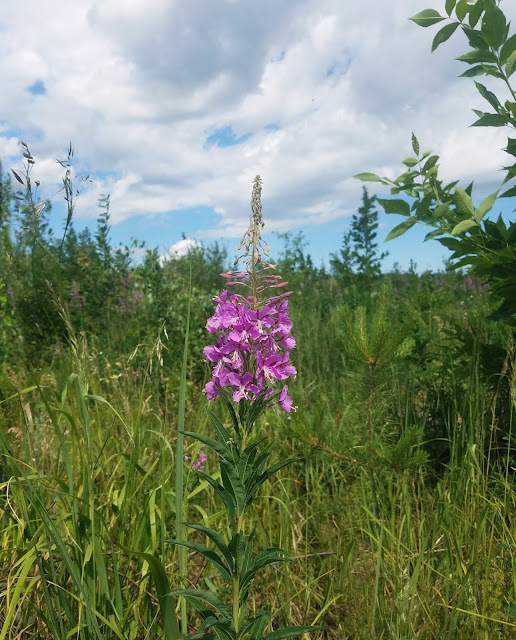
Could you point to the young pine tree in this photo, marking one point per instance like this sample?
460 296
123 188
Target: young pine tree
359 252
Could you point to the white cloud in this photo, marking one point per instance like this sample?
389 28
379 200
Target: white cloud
139 85
180 248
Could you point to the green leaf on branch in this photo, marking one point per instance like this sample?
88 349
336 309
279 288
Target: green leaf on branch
439 212
427 18
510 65
444 34
463 226
475 12
209 554
410 162
477 55
222 433
204 596
449 6
401 228
213 444
369 177
395 205
488 95
493 25
233 485
480 70
475 38
491 120
511 107
462 9
415 144
510 193
431 162
485 206
215 537
463 202
433 234
508 47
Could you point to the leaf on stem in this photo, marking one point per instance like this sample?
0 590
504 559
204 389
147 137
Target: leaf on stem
401 228
463 226
444 34
427 18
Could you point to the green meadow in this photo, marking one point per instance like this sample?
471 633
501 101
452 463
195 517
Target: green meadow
399 514
397 508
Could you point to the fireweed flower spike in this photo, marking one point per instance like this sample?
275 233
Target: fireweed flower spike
253 345
250 364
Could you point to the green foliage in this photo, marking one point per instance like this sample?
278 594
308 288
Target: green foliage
485 246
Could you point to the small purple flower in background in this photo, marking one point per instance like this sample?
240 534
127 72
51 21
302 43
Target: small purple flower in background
252 351
199 463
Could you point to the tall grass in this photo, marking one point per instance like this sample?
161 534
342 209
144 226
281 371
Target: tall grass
91 464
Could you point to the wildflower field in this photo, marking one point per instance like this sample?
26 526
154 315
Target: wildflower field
249 446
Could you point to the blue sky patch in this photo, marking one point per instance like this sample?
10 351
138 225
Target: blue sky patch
37 88
338 68
225 137
272 126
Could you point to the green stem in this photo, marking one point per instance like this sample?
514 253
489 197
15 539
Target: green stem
236 602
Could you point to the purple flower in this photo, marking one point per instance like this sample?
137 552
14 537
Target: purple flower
199 463
285 401
252 350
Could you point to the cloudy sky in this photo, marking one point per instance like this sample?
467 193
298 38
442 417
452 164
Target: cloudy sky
173 107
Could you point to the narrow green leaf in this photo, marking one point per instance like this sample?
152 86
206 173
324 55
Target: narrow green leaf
223 450
427 18
215 537
444 34
225 496
395 205
488 95
256 625
369 177
290 632
401 228
477 55
237 548
463 202
204 596
510 193
233 485
485 206
463 226
166 604
266 475
433 234
221 431
209 554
